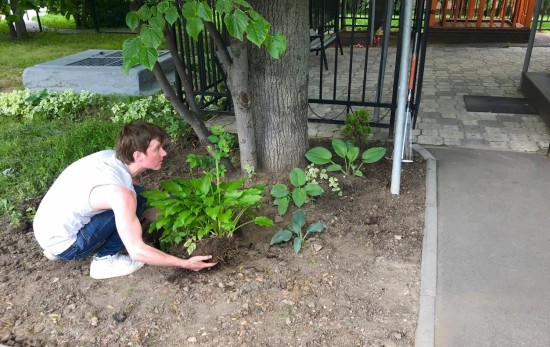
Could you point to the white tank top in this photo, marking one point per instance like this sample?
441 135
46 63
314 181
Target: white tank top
66 208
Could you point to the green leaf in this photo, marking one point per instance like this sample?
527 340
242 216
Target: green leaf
163 6
151 37
279 190
297 244
181 219
373 155
353 153
132 20
232 185
213 138
282 206
243 3
299 217
250 199
263 221
144 13
334 167
358 173
155 194
299 196
313 189
257 31
171 15
224 6
191 248
297 177
295 228
171 186
194 27
157 23
319 155
205 185
276 45
190 10
281 236
148 56
235 194
236 23
204 11
162 222
212 212
340 147
316 228
130 53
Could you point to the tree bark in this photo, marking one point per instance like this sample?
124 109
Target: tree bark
278 88
236 70
18 28
21 29
237 80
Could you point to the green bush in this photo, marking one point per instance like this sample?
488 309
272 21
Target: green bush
154 109
356 127
48 106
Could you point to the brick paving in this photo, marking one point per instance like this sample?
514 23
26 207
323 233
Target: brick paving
451 71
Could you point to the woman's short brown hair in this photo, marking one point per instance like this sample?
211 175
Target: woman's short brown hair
136 136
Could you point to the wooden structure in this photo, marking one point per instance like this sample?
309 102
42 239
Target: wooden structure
481 20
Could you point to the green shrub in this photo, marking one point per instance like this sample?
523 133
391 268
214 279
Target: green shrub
48 106
154 109
196 208
356 127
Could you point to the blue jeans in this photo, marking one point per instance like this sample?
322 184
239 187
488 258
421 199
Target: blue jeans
101 234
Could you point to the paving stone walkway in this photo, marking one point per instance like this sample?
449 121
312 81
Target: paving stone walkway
452 71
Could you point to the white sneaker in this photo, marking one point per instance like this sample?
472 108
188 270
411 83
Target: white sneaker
50 256
113 266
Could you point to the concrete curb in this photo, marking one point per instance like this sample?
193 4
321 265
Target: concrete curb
425 328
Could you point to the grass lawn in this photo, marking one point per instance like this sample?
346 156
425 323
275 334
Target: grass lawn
15 55
56 21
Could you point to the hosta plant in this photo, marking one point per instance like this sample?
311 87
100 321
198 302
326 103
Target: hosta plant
294 230
301 191
192 209
349 153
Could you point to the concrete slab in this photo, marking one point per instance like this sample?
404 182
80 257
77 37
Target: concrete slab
96 71
493 248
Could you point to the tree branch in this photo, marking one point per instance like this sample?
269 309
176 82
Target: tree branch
223 52
184 77
190 117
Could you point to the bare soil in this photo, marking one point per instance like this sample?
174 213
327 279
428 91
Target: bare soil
355 284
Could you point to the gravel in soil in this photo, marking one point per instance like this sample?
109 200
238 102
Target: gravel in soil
355 284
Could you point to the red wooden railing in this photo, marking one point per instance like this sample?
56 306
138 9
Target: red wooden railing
482 13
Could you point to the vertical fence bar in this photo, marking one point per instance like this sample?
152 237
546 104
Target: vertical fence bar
383 57
422 61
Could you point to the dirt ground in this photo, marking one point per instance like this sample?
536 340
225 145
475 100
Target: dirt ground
356 284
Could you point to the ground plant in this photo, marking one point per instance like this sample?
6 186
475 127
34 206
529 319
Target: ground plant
349 153
294 231
300 192
357 127
195 208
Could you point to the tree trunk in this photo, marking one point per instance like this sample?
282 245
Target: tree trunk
21 29
278 88
237 80
18 28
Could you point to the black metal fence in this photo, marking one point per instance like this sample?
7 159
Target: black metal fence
364 76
